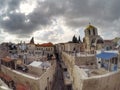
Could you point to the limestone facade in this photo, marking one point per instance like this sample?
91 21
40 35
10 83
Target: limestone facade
80 80
43 80
92 40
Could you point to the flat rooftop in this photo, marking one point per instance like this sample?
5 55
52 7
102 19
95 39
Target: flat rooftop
93 70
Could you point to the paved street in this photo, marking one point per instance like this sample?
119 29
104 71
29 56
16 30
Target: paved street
58 83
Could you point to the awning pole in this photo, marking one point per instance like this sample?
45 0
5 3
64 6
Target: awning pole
109 65
117 61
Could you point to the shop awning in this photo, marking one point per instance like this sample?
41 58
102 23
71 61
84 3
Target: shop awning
106 55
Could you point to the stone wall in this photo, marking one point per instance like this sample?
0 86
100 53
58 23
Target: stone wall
35 70
85 60
34 82
69 63
46 80
78 77
80 81
18 78
110 81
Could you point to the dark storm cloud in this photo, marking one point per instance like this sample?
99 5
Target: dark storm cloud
9 5
93 10
19 23
76 13
13 4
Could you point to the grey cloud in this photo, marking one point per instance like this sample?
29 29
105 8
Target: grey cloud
40 17
45 36
1 36
53 35
13 4
94 10
76 13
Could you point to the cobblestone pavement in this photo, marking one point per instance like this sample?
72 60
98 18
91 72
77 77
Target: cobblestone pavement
58 82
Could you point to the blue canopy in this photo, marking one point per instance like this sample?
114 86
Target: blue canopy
106 55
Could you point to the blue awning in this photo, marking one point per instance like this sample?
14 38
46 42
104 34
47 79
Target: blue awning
106 55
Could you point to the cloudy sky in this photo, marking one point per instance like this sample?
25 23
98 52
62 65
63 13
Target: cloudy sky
57 20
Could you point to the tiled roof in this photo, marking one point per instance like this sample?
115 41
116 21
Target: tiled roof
107 40
7 59
5 77
1 75
21 87
45 44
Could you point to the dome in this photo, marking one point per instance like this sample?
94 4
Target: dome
90 27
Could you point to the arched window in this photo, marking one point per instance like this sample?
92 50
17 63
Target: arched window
89 32
84 40
93 31
99 41
93 41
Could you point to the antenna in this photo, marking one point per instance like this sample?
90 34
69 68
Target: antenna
89 23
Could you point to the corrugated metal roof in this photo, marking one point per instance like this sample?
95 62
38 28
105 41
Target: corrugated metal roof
106 55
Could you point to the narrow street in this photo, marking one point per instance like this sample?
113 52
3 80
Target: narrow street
58 82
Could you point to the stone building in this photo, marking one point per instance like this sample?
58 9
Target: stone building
108 45
36 78
84 74
92 40
35 51
73 47
40 49
46 48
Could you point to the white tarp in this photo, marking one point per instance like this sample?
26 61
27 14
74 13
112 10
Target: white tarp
36 64
40 64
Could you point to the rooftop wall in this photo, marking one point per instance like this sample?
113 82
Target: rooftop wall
46 80
69 63
36 70
78 77
110 81
18 78
85 60
34 82
80 81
